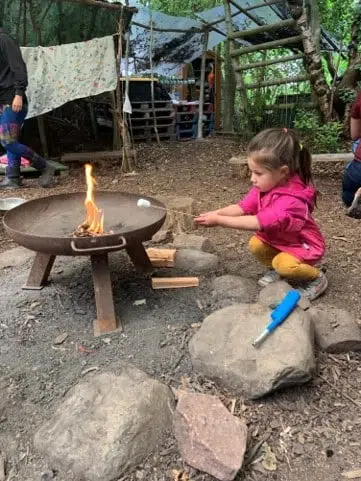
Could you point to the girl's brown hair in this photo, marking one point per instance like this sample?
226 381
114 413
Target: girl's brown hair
274 148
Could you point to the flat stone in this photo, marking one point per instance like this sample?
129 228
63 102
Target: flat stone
107 425
209 438
275 292
196 262
228 290
336 330
15 257
192 241
222 350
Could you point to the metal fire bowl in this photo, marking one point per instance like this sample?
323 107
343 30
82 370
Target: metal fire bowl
46 224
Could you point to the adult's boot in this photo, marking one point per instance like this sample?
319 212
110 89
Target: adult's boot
12 179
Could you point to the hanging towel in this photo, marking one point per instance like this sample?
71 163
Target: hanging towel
67 72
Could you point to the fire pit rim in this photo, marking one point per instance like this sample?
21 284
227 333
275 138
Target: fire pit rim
106 241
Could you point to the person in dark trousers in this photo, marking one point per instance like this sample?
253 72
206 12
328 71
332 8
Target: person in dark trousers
13 110
351 184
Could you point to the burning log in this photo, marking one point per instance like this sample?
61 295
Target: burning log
93 224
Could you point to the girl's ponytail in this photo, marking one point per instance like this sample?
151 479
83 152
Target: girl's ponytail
305 168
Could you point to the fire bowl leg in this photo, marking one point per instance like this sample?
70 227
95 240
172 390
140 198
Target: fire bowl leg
106 321
40 271
139 256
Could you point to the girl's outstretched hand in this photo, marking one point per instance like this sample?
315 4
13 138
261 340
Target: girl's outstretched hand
209 219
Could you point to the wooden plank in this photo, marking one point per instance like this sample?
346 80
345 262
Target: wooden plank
91 156
290 22
174 282
341 157
161 257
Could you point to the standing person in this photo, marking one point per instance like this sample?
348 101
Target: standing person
351 184
279 209
13 110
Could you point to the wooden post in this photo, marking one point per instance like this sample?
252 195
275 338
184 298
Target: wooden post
151 39
201 92
41 127
218 89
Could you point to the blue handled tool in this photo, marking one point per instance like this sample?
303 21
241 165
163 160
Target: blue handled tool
279 314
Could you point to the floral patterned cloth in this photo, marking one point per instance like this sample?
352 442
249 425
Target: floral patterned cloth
67 72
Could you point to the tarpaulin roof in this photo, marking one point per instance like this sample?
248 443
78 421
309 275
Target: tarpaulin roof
172 49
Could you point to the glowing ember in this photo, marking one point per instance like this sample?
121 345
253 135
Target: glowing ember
94 221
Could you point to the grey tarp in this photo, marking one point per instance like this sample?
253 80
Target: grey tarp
172 49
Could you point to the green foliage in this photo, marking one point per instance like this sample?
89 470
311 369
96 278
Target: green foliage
318 137
56 22
347 95
336 16
184 8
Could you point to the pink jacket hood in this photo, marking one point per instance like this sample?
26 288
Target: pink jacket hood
295 187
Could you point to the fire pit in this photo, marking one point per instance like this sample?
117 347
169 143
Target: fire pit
48 226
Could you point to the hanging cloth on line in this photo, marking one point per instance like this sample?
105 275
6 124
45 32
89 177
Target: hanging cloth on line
67 72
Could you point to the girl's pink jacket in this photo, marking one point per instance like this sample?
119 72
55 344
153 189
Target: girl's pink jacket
285 216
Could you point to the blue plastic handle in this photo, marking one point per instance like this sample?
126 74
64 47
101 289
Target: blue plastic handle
284 309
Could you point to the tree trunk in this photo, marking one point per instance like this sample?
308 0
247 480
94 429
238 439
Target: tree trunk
308 23
347 87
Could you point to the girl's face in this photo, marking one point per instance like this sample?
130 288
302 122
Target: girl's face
266 179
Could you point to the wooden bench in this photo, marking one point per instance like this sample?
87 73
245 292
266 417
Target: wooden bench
239 164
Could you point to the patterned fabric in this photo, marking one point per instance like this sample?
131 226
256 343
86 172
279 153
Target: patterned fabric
67 72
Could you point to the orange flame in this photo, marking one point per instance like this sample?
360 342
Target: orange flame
94 220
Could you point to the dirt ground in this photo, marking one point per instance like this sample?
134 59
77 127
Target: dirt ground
313 431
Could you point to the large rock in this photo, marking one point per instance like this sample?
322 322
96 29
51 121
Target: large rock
196 262
15 257
107 425
209 437
228 290
336 330
275 292
222 350
192 241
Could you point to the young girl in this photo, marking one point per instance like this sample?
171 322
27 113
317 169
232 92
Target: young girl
279 209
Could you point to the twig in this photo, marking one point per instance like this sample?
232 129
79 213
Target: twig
346 396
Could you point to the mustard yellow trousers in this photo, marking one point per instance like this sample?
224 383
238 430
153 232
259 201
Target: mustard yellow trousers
285 264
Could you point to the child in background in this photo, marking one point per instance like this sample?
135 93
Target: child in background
279 209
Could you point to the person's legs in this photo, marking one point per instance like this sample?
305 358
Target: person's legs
292 268
10 125
265 254
351 189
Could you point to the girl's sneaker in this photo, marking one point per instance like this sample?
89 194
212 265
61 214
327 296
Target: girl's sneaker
270 277
355 209
315 288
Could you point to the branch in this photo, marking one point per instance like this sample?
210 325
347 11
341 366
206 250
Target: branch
45 13
101 4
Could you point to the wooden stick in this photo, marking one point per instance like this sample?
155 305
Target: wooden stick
264 28
268 45
174 282
169 210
